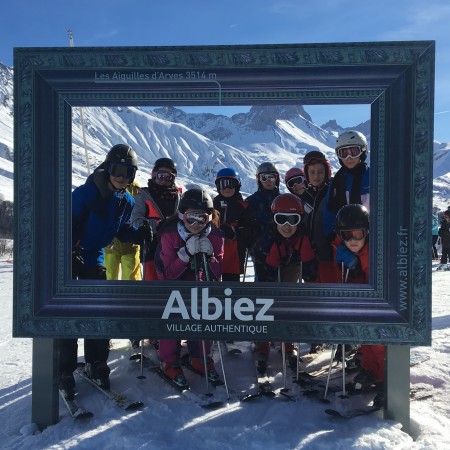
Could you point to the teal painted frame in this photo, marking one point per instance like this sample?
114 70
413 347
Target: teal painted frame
396 78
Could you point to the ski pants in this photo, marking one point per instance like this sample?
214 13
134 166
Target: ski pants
169 350
94 350
124 256
445 255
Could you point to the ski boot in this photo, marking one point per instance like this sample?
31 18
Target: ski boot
174 373
99 372
440 267
199 365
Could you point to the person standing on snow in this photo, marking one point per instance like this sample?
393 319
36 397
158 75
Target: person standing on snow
231 207
186 241
444 233
101 209
351 183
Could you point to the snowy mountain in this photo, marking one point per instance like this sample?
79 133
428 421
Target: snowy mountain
200 143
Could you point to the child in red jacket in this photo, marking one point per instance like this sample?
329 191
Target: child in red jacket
290 259
352 227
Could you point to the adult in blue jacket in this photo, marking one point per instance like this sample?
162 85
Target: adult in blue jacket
101 209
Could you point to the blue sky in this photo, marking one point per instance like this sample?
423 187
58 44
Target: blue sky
44 23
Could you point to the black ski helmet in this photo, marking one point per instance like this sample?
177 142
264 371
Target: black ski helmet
164 162
316 157
121 154
352 217
196 199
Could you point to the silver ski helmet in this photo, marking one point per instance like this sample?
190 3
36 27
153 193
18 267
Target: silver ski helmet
352 138
267 167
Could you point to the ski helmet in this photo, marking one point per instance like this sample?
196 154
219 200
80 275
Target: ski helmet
287 203
164 162
352 217
316 157
267 167
196 199
122 155
352 138
230 173
293 173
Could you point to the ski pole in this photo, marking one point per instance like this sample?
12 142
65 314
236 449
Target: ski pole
344 392
142 376
333 353
245 264
205 267
205 362
223 369
283 356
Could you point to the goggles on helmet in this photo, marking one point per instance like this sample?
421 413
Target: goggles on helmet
121 170
299 179
349 151
291 219
167 176
227 183
267 177
355 235
197 217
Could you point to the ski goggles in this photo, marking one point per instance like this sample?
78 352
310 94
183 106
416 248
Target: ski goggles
227 183
268 177
120 170
349 151
296 180
291 219
355 235
165 176
197 217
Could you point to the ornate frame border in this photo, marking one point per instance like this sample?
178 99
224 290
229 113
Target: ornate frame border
396 78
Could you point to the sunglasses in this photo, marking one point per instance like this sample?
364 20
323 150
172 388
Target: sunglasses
267 177
296 180
350 151
291 219
120 170
356 235
196 217
227 183
165 176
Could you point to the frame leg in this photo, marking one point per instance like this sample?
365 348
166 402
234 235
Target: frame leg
44 391
397 385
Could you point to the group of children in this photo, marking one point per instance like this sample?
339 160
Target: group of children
317 232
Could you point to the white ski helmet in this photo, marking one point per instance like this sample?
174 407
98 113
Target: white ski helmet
352 138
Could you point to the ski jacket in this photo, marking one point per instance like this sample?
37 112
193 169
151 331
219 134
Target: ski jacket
360 274
98 215
340 193
259 222
154 203
231 211
286 253
435 225
444 233
170 267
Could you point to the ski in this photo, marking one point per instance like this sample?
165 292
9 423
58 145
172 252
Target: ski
350 414
75 410
119 399
205 401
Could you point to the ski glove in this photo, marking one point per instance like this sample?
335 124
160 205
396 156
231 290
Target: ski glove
183 255
192 245
228 231
144 233
347 257
205 246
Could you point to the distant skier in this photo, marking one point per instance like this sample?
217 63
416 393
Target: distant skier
444 233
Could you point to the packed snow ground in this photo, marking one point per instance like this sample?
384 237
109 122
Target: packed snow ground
170 422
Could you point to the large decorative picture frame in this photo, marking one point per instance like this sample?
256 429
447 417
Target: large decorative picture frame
395 78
